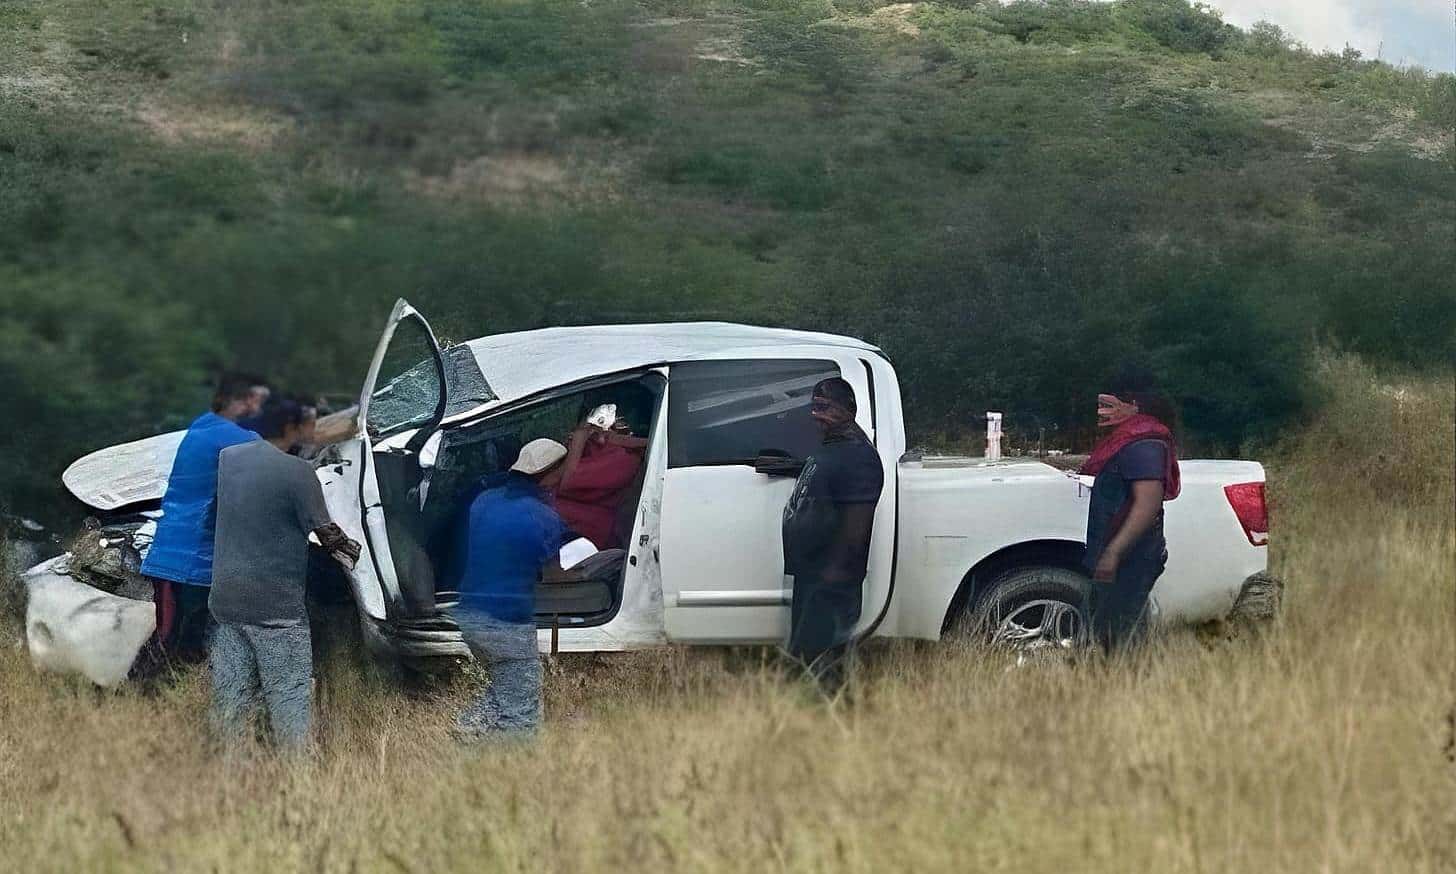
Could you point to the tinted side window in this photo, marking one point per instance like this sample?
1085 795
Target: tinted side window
725 412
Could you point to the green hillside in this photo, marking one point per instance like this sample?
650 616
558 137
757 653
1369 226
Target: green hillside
1008 199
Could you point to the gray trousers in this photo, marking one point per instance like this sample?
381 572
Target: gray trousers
511 704
271 662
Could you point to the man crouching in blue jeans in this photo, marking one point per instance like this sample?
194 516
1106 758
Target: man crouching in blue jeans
512 533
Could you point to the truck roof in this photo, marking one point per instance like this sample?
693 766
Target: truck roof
523 363
516 365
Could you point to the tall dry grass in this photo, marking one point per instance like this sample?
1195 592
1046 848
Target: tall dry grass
1316 746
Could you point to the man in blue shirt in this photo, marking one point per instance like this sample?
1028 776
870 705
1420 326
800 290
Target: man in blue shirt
511 534
179 562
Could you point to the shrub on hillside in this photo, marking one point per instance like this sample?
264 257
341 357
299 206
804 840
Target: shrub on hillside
1380 86
131 36
1180 25
1268 40
1049 21
1437 104
556 42
802 41
1237 374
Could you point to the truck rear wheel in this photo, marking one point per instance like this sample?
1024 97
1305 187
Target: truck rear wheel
1032 608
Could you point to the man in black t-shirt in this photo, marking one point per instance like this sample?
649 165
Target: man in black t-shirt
827 528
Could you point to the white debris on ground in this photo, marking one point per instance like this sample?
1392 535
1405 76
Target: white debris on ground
90 611
71 627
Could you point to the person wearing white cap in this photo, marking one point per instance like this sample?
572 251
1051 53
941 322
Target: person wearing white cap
512 532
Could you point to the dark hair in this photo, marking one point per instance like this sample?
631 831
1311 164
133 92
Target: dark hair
277 415
235 386
837 390
307 402
1137 384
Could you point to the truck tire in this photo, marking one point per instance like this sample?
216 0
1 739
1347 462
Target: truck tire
1032 608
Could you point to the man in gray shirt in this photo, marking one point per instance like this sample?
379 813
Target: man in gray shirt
268 502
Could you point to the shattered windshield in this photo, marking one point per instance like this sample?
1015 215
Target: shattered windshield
410 398
467 388
409 389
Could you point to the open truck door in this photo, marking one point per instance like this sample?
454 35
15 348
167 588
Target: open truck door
412 385
721 543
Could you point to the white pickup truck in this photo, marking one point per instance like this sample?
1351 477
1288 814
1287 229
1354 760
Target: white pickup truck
999 540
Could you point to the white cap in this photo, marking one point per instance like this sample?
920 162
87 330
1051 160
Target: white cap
539 456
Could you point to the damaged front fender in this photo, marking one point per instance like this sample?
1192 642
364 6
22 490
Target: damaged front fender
71 627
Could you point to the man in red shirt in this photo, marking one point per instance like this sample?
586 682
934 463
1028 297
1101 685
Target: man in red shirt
601 465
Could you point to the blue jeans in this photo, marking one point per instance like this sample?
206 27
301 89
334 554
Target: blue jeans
507 650
274 663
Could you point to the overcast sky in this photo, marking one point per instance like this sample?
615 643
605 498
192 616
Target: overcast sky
1399 31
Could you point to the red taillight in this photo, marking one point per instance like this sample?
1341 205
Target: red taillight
1247 499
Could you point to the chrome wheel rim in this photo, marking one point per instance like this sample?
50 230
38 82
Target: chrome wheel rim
1039 625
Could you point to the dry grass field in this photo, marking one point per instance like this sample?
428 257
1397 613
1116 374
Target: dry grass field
1321 744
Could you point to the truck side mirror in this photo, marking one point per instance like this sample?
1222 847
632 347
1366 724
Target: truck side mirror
776 462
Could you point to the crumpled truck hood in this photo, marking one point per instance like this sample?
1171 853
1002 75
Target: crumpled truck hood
136 473
119 476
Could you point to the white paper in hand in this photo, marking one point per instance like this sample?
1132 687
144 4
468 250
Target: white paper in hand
603 416
576 552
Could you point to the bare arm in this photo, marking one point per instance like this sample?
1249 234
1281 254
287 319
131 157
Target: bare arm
575 446
627 441
1147 502
335 427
